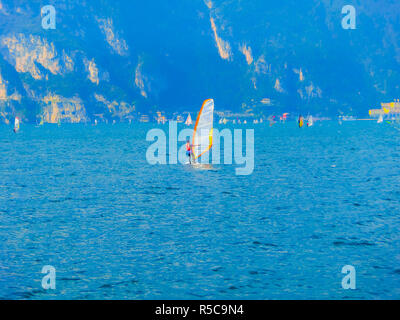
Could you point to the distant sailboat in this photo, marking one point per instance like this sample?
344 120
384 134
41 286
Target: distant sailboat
380 119
40 123
271 120
16 124
95 122
310 121
161 120
301 121
189 121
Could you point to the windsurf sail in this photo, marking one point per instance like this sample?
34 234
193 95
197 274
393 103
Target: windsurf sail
310 121
203 129
188 121
380 120
271 120
16 124
301 121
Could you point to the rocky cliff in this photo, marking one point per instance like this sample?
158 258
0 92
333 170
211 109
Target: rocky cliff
113 60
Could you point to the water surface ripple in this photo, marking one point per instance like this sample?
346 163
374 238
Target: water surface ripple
84 199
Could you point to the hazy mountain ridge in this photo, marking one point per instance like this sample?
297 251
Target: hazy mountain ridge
117 59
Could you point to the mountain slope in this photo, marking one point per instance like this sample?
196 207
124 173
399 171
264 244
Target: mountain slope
117 59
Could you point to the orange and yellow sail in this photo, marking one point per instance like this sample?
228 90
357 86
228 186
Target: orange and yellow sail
203 129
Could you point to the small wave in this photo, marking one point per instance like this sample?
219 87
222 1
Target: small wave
353 243
172 188
257 243
28 294
281 208
216 269
70 279
115 284
60 200
153 192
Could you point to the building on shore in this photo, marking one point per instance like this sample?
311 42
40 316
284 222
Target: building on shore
144 118
390 109
161 117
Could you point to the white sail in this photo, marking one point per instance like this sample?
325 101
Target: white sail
203 129
380 120
16 124
310 121
271 120
188 121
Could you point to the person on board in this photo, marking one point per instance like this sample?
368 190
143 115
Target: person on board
189 150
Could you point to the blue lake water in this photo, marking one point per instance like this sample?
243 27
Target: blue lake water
84 200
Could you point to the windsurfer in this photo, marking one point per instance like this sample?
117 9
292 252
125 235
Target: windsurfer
189 150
